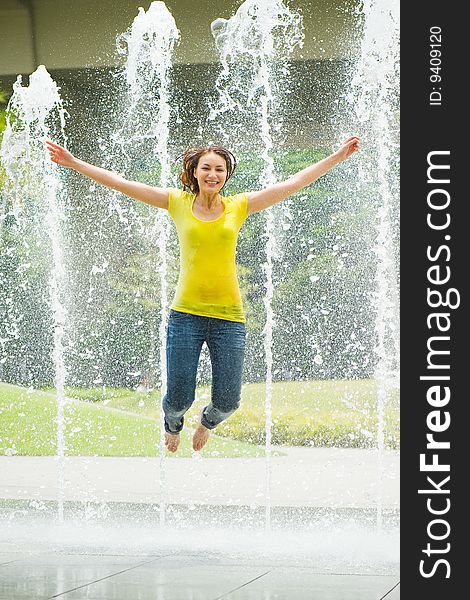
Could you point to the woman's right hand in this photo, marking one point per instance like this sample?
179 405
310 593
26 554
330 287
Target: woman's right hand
60 155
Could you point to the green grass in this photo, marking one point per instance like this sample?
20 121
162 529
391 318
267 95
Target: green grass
340 413
28 427
305 413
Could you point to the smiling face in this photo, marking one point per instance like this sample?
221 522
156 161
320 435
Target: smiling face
211 173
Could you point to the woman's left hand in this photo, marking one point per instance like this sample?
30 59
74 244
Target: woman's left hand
348 147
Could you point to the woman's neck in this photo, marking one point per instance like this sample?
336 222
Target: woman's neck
207 201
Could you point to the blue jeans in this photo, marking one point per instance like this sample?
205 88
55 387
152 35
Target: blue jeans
186 334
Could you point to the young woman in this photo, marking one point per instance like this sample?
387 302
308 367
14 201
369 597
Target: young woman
207 306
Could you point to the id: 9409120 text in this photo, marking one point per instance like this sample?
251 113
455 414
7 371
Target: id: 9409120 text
435 62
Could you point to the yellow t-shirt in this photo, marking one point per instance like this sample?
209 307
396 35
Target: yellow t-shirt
207 283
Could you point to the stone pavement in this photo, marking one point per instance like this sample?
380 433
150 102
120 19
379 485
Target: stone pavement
303 477
165 576
100 553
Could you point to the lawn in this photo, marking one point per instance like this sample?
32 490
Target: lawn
340 413
28 427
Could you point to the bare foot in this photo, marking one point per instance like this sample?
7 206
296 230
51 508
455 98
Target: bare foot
172 441
200 437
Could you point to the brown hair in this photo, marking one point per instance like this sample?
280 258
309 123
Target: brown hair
191 159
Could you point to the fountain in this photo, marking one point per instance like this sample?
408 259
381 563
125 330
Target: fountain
148 47
35 185
254 47
373 98
111 301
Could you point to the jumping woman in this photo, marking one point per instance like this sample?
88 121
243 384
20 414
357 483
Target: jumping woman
207 306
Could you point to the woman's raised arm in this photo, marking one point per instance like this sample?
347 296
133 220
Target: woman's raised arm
279 191
139 191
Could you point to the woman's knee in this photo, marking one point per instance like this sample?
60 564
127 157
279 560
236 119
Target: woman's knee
177 403
213 416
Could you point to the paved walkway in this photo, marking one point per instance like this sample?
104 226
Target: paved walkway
307 477
105 560
165 576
